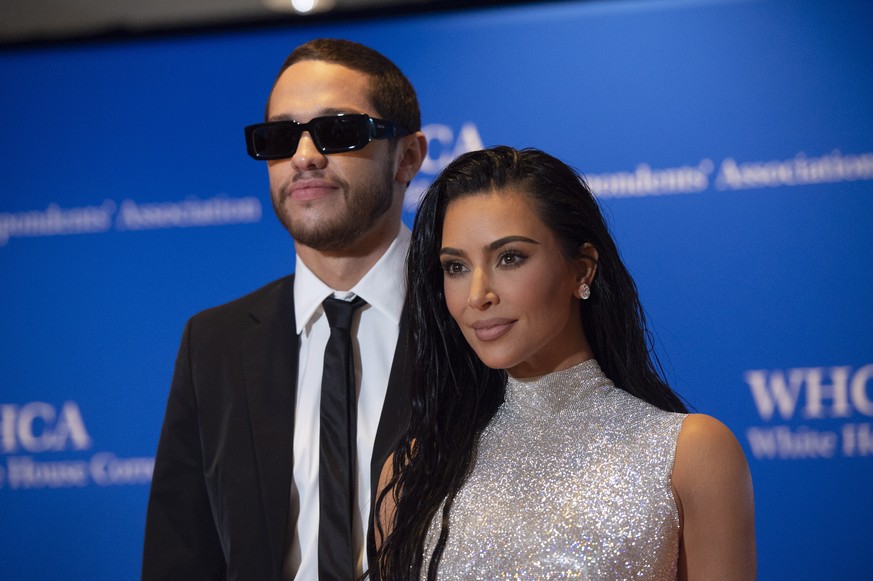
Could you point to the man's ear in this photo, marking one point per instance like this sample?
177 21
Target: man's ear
411 150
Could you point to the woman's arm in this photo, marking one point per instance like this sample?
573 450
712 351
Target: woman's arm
383 513
713 489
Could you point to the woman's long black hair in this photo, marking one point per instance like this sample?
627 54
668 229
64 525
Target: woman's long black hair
454 395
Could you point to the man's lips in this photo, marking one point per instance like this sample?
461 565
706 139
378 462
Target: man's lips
310 190
491 329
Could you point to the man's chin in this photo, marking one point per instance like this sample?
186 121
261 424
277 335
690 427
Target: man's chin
325 239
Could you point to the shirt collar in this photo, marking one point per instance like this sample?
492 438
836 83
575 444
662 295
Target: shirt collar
383 287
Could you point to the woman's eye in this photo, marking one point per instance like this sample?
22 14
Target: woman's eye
511 259
453 268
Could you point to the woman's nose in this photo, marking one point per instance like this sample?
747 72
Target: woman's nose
481 294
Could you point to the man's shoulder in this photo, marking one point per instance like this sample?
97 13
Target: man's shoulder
269 298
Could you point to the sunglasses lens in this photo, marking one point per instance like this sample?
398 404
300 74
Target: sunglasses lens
336 134
273 141
331 134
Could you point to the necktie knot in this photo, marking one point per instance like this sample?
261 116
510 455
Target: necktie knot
339 312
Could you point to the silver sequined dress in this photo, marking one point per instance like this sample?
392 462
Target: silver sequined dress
571 481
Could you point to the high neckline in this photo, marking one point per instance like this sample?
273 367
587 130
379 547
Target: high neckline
554 392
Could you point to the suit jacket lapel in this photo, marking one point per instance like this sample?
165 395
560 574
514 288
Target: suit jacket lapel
270 349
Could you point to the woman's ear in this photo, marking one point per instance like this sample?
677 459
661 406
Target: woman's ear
586 263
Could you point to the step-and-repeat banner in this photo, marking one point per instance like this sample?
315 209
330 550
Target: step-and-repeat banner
731 144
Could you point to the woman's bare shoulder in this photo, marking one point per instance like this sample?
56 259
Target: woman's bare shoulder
713 489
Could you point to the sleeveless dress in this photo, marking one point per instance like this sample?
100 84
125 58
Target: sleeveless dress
571 481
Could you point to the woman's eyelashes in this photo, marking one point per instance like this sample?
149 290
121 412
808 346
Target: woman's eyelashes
511 258
506 259
453 268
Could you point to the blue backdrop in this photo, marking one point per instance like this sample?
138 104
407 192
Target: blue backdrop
731 143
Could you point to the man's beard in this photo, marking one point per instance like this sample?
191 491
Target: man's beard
359 212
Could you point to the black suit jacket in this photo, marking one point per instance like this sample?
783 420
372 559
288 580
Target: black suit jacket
219 502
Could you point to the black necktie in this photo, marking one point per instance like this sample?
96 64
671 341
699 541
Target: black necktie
336 472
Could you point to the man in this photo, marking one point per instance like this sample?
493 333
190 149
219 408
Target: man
235 491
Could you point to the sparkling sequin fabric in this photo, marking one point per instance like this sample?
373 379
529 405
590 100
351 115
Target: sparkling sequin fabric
571 481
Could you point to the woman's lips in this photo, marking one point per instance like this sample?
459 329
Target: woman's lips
491 329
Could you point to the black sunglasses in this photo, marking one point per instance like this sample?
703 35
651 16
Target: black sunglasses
330 134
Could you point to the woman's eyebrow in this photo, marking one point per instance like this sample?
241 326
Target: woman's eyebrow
451 251
499 243
509 239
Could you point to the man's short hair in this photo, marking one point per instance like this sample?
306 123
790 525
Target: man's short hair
390 91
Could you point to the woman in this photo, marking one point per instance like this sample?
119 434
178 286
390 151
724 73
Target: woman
543 443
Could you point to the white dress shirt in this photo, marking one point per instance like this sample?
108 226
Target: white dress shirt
374 338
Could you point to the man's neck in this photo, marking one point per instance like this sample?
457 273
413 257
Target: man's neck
342 269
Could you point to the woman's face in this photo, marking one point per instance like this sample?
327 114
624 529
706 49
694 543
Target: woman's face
510 288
